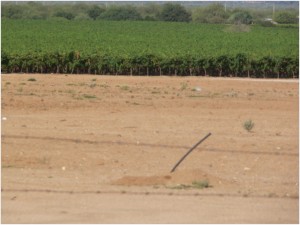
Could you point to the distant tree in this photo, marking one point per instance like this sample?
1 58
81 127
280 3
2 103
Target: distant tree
149 11
82 16
64 14
12 12
285 17
79 8
121 13
241 17
35 10
95 12
214 13
174 12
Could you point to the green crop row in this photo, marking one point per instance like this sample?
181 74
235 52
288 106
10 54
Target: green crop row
148 48
158 38
239 65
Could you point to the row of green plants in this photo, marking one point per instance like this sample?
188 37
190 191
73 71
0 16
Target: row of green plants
158 38
239 65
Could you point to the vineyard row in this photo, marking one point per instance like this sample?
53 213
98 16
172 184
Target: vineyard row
239 65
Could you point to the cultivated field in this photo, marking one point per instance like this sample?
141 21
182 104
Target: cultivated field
133 38
148 48
99 149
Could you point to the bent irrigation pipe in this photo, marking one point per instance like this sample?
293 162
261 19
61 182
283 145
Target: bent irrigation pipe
189 151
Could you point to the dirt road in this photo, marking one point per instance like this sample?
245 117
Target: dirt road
99 149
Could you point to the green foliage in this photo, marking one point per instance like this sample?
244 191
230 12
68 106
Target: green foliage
12 12
266 67
241 17
248 125
95 12
89 96
150 11
265 23
121 13
82 16
286 18
214 13
201 184
195 185
125 88
175 13
147 48
64 14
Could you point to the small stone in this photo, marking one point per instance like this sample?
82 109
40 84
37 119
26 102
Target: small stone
63 168
198 89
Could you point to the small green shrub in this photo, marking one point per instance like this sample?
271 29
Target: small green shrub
180 186
195 185
31 79
103 85
248 125
124 88
200 184
89 96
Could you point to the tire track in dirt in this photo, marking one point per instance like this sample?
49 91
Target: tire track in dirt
91 142
82 141
148 193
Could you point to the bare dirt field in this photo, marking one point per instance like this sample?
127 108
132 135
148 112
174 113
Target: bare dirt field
99 149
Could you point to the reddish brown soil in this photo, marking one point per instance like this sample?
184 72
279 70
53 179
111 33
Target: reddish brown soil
99 149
